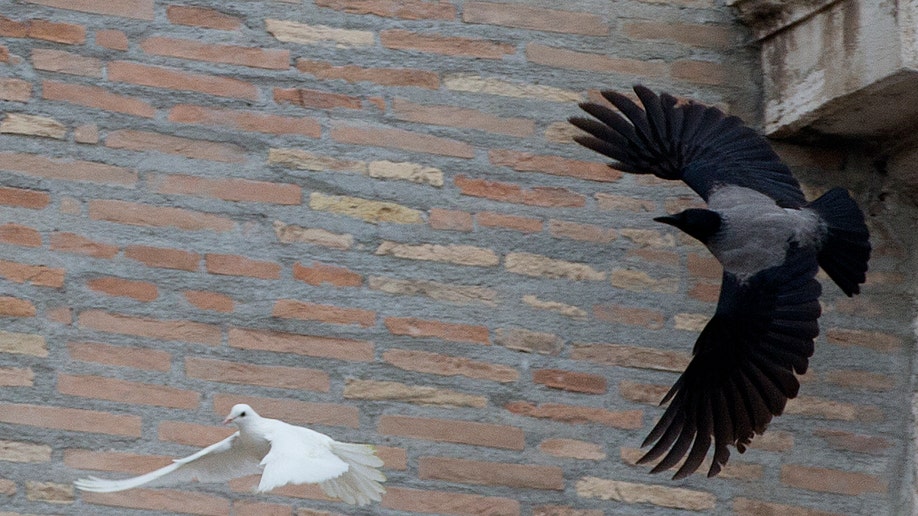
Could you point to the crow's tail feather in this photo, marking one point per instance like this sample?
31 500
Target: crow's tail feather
846 247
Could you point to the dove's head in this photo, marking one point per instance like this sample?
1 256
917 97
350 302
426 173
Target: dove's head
240 414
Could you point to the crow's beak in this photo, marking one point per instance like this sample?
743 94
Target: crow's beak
667 219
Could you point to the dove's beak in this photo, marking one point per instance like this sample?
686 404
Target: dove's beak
228 420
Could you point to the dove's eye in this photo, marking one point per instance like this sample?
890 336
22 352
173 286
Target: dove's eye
243 414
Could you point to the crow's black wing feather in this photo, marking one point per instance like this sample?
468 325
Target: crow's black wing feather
742 371
692 142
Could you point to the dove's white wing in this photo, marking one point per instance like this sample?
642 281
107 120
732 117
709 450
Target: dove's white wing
360 485
218 462
298 456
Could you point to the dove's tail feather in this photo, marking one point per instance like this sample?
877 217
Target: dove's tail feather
846 247
101 485
361 484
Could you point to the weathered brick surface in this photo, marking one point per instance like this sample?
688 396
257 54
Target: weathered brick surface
370 216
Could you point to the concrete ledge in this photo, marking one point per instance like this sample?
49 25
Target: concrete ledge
837 67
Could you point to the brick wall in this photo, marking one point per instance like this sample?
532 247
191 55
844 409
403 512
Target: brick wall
367 216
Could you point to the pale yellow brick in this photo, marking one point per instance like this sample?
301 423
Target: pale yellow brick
370 211
640 281
529 264
554 306
477 84
394 391
648 237
16 451
289 233
293 32
629 492
49 492
305 160
32 125
453 253
690 322
23 344
459 294
413 172
528 341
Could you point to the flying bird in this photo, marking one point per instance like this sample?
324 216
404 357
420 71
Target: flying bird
281 452
770 242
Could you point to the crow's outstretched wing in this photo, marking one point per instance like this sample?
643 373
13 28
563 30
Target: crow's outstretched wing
692 142
742 371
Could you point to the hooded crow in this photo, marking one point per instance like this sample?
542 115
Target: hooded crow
770 242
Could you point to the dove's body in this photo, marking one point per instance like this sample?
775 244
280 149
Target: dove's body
282 453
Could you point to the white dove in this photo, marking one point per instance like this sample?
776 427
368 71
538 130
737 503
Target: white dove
281 452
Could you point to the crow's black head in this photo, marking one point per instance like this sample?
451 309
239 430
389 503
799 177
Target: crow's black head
701 224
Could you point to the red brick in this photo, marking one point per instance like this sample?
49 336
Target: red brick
165 500
66 33
123 391
452 431
175 329
711 36
446 365
583 232
704 266
17 234
281 377
135 214
642 392
320 273
192 434
632 356
76 244
291 308
707 292
501 220
447 331
66 62
77 420
465 118
401 139
229 189
520 476
308 345
210 300
446 45
560 510
644 255
848 441
749 507
245 120
235 265
827 480
571 59
627 419
405 9
96 97
163 257
862 380
202 17
702 72
316 99
252 508
570 380
255 57
509 192
534 18
13 29
139 290
295 412
450 220
190 148
607 201
22 198
442 502
121 356
114 461
631 316
16 90
4 54
15 307
35 165
16 377
171 79
877 341
139 9
572 448
40 275
112 39
555 165
383 76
